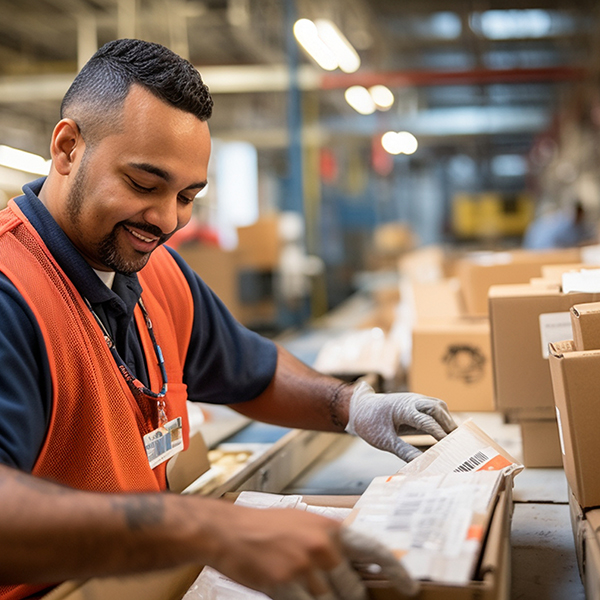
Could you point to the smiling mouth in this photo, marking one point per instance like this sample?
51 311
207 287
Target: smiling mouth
139 236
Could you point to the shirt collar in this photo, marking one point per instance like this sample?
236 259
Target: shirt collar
77 269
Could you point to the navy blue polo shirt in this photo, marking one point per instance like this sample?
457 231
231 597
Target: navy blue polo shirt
226 363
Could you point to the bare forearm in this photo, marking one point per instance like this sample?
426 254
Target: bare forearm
50 533
299 396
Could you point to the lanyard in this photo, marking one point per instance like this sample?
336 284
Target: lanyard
135 385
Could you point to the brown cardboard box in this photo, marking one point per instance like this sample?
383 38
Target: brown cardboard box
591 537
541 444
585 321
218 269
478 272
436 299
451 360
586 535
555 272
259 244
493 578
524 319
491 583
423 264
576 382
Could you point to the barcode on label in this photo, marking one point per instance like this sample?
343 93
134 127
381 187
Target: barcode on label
473 463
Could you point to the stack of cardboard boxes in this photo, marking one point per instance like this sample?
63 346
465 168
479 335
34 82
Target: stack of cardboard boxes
455 343
575 372
525 319
449 348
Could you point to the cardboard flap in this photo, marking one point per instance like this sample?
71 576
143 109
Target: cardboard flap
593 518
184 468
558 349
588 308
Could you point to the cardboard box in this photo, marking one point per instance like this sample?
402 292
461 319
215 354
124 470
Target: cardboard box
585 321
451 360
591 537
423 264
576 382
555 272
541 444
492 581
435 299
259 244
218 269
586 535
524 319
478 272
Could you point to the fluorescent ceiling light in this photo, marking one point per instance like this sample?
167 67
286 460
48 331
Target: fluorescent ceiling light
23 161
382 96
408 142
390 142
307 35
335 40
401 142
327 45
512 24
367 101
360 100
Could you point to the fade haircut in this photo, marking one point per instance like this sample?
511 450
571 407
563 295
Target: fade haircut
98 92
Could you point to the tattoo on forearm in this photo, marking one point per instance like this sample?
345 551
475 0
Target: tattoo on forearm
334 404
141 511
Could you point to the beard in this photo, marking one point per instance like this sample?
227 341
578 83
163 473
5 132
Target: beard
110 255
107 251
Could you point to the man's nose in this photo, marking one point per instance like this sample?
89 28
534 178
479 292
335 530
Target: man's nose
163 214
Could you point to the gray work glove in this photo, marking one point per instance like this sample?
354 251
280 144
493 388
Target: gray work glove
362 554
380 419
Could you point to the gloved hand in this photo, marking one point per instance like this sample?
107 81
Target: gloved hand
362 553
380 419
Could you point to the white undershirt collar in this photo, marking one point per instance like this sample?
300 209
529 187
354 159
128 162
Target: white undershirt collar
107 277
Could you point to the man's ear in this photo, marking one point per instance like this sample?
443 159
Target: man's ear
65 145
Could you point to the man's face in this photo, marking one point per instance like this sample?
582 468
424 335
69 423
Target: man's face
133 189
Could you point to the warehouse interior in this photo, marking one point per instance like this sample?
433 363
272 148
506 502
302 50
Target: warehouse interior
501 96
405 265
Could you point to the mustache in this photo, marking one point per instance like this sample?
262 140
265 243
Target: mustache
151 229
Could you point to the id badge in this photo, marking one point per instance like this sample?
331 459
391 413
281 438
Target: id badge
164 442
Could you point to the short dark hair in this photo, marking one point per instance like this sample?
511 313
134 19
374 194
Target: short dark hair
105 80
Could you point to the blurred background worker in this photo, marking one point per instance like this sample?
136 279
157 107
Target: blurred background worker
562 228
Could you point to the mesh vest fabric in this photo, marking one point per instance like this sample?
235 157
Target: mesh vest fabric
94 439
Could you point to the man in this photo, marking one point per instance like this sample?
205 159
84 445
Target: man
560 228
106 333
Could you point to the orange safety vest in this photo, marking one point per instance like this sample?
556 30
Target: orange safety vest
94 439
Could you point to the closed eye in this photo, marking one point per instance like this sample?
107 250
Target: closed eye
185 199
140 188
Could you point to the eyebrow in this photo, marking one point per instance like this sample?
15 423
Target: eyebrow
165 175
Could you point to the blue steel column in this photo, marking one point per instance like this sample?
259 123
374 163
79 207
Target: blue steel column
293 199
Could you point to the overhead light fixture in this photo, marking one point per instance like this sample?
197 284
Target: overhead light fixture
307 35
360 100
335 40
327 45
366 101
401 142
382 96
23 161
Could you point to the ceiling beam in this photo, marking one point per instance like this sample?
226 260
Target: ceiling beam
275 78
